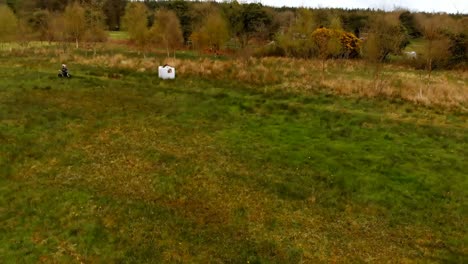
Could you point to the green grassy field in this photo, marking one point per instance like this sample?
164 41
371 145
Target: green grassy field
118 35
117 166
416 45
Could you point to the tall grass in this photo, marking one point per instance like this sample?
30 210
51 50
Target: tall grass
446 89
353 78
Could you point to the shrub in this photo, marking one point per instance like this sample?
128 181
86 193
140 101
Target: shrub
349 44
458 49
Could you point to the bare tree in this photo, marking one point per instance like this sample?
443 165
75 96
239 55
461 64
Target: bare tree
57 31
75 22
24 33
40 22
335 23
94 18
385 36
436 47
135 21
213 33
8 24
166 30
296 40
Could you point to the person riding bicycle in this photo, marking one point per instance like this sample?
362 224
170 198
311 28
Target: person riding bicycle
64 70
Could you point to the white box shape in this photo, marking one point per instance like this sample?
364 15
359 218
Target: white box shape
166 72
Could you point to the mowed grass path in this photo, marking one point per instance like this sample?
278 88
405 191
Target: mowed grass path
117 166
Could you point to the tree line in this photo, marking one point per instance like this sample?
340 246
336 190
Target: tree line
230 25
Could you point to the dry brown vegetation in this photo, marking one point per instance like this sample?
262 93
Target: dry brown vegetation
355 78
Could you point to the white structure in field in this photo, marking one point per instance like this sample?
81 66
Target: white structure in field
166 72
411 54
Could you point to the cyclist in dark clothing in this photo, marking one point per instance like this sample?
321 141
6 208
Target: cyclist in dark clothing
64 71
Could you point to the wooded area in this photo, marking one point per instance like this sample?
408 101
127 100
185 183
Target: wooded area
251 29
